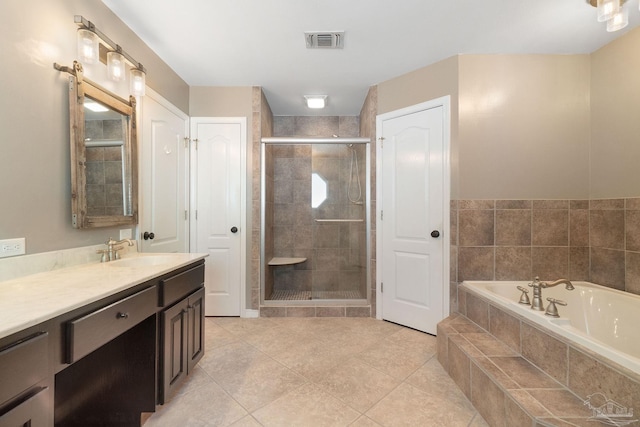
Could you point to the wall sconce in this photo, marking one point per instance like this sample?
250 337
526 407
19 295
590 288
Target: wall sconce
316 101
89 39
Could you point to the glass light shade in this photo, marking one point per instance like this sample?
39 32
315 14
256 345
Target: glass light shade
607 8
618 21
115 66
137 82
87 46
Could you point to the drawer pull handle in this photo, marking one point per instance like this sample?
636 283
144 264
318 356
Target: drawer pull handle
122 315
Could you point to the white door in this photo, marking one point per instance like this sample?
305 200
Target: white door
414 158
217 227
164 223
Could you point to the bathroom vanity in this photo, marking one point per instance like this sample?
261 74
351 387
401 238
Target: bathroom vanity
99 344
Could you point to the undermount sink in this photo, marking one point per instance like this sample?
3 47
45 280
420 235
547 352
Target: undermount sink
142 261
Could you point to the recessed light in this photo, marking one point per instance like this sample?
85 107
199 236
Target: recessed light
316 101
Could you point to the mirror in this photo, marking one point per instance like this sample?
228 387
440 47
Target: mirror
104 162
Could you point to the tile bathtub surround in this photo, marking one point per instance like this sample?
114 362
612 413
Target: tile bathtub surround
508 390
546 381
317 372
592 240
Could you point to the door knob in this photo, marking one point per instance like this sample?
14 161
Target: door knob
147 235
435 233
234 229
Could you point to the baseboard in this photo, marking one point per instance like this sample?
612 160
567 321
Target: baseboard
251 314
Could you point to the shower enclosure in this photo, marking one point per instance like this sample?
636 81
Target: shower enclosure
315 219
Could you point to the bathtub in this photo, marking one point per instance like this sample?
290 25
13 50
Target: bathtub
603 320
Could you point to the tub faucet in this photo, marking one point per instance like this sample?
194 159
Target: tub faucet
111 253
537 286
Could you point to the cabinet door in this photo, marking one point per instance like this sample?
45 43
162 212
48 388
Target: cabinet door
33 412
174 360
195 336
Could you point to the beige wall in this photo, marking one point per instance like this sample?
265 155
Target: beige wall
34 131
206 101
615 118
434 81
524 127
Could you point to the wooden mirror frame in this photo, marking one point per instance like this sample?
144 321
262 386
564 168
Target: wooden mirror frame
78 89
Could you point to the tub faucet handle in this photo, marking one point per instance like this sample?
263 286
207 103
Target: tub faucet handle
552 310
524 297
537 303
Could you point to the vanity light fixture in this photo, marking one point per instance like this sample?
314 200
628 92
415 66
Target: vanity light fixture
89 39
612 12
316 101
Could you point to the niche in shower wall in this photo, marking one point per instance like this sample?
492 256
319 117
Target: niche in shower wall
321 247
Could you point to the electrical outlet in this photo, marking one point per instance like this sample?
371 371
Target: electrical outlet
125 234
12 247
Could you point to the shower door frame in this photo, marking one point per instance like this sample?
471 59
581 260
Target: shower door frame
263 192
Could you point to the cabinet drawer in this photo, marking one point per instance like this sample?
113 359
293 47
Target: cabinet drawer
32 412
23 364
99 327
180 285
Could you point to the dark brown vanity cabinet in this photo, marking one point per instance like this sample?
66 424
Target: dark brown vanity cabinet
182 328
106 363
24 387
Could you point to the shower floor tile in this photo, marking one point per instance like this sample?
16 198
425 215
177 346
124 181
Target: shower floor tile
290 295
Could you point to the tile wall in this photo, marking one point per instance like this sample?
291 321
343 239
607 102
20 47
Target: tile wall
593 240
368 130
262 126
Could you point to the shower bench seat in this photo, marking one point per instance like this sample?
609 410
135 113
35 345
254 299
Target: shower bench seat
285 261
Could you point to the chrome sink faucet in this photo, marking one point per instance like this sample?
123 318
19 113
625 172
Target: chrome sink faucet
111 253
537 286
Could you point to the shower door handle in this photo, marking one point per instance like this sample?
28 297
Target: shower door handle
234 229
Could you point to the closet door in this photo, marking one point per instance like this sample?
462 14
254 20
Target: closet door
218 223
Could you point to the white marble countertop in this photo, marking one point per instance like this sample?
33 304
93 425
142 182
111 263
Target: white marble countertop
29 300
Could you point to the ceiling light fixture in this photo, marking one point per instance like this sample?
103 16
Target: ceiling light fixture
611 12
316 101
89 39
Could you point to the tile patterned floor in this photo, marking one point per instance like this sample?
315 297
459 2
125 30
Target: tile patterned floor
317 372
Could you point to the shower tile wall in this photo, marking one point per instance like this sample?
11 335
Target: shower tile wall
368 130
594 240
104 169
262 126
336 253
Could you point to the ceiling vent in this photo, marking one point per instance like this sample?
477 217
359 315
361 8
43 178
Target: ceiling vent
324 39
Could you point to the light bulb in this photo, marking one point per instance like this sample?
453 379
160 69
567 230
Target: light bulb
115 66
87 46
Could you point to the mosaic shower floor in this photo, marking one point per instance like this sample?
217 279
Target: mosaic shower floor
292 295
